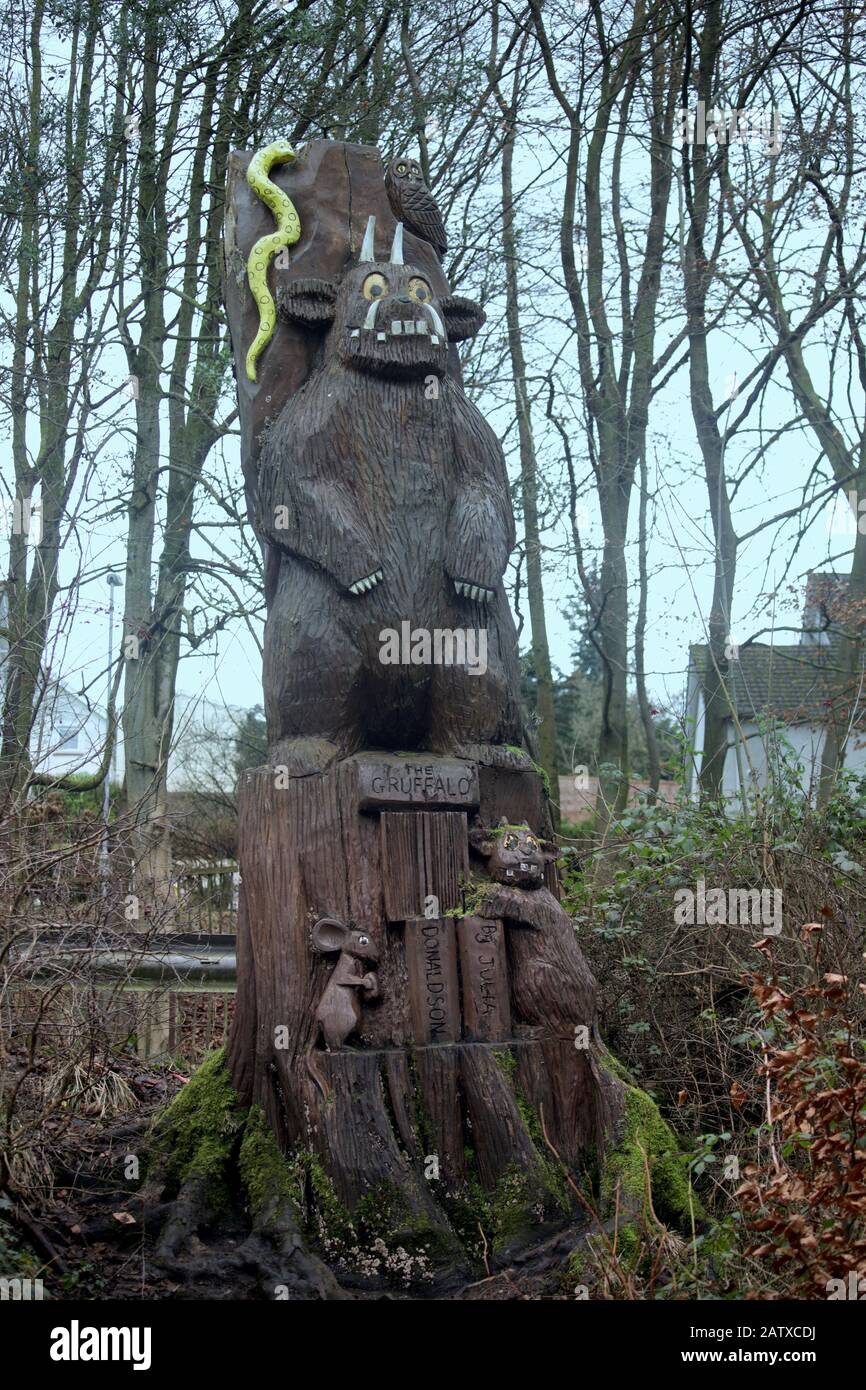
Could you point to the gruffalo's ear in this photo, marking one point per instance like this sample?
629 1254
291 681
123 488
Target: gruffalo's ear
329 935
463 317
309 303
550 851
479 839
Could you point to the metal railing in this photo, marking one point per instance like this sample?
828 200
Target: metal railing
189 980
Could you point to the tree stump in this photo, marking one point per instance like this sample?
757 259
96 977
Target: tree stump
437 1110
419 1035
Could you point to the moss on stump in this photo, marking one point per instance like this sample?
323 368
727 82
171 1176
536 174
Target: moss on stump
647 1148
210 1153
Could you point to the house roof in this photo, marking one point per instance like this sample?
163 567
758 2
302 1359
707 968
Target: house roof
794 683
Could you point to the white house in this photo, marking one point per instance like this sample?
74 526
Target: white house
68 736
782 695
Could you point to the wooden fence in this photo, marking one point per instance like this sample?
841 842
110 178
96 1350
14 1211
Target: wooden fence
168 1020
197 1022
207 895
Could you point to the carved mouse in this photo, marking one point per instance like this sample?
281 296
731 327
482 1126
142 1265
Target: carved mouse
339 1011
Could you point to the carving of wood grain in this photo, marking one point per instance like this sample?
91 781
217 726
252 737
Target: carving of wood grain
438 1079
424 854
397 1077
557 1078
484 975
434 998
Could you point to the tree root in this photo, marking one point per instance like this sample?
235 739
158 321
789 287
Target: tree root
191 1212
209 1156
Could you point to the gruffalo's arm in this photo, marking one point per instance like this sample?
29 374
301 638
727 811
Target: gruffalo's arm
480 529
307 502
308 512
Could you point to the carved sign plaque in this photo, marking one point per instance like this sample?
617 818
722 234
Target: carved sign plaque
424 781
431 959
483 967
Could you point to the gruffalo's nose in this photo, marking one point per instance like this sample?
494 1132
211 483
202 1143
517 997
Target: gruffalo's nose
403 298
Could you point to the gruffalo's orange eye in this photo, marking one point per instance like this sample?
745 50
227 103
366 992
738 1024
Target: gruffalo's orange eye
533 844
420 290
375 286
509 841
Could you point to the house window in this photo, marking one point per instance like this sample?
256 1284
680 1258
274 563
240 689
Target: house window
69 736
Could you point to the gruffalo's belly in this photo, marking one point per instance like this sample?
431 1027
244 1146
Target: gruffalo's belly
405 479
407 456
352 667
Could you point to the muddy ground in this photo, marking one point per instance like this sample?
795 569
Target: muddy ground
89 1238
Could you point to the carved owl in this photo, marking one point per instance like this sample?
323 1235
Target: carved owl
413 204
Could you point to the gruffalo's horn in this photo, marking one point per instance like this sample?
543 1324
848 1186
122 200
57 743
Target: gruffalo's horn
368 252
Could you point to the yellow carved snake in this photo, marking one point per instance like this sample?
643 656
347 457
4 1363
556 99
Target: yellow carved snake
289 231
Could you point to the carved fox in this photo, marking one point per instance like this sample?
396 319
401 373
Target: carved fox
552 985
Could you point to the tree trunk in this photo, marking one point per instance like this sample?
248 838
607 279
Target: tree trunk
847 685
145 745
697 274
613 754
529 485
649 728
481 1028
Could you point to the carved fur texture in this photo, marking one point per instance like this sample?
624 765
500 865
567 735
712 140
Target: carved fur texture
386 493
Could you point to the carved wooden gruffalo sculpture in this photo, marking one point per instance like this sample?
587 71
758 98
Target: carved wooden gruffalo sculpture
413 1013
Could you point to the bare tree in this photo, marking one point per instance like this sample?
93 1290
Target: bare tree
611 75
807 199
529 468
63 155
